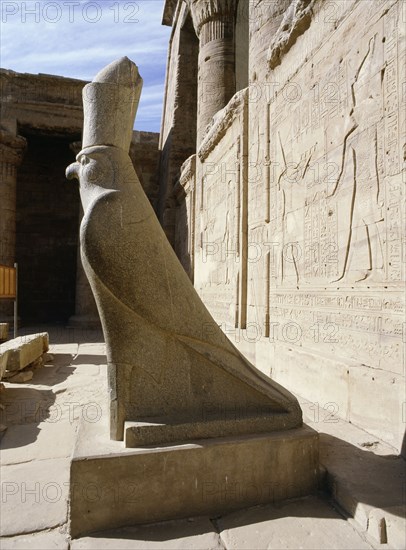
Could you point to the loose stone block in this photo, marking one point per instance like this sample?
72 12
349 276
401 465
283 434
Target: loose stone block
3 363
21 377
24 350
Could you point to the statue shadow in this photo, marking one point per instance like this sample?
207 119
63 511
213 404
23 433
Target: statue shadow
165 531
24 410
28 409
24 407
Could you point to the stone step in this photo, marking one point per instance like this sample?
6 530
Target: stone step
22 351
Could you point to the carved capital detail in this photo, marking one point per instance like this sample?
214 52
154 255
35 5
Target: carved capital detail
188 172
11 148
221 122
219 13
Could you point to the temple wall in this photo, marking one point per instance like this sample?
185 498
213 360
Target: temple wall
220 273
185 215
145 156
328 212
178 128
41 125
311 287
47 235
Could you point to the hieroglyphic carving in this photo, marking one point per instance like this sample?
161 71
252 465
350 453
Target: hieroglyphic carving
335 212
221 262
363 327
332 167
392 146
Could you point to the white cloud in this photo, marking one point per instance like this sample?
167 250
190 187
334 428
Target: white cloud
58 37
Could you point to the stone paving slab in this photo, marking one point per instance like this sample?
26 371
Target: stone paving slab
45 540
34 496
51 439
309 523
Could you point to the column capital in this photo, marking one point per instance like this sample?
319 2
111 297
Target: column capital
11 147
205 11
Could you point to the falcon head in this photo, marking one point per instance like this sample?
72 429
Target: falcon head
99 169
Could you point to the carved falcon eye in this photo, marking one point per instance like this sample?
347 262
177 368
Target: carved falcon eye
84 160
92 170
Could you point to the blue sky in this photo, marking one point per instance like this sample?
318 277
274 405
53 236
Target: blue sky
77 38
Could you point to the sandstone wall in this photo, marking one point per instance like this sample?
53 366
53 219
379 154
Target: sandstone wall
321 241
178 129
145 156
41 125
327 193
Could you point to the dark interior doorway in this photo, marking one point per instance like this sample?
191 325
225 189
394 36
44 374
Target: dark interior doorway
47 231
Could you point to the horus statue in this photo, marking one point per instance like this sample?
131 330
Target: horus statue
173 375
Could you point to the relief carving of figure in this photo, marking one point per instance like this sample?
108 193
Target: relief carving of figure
363 257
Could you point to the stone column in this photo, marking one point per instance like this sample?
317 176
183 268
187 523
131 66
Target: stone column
214 23
11 153
86 314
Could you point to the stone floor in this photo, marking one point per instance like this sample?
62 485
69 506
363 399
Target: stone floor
365 477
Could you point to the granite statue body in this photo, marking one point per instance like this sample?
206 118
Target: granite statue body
171 368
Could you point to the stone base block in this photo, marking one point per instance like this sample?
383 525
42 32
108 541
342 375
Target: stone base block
114 487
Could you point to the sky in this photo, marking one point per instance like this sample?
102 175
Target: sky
77 38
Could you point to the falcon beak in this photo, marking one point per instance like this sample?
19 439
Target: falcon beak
72 171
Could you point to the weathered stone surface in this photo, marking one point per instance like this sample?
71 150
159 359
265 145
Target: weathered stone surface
24 350
183 362
296 21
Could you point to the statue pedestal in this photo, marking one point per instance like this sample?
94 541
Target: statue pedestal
113 486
